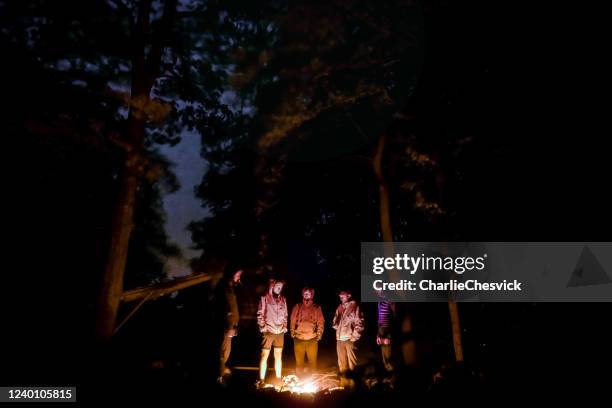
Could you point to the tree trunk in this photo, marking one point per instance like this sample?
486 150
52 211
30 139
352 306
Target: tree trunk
112 281
453 308
123 222
383 197
408 347
456 329
144 71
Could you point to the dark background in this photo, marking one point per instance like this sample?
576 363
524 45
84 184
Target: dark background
529 81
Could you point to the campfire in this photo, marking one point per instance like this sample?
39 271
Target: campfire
310 385
293 384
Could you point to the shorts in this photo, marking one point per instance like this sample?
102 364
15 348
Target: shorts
272 340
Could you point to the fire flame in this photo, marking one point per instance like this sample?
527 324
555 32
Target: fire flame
314 383
311 385
293 384
309 388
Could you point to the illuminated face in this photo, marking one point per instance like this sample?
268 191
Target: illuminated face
307 294
237 276
344 296
278 286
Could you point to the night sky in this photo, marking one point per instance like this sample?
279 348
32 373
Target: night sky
182 206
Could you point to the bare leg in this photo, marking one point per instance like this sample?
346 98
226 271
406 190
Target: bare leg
224 353
278 361
263 363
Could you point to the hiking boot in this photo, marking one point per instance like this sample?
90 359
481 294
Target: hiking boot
260 384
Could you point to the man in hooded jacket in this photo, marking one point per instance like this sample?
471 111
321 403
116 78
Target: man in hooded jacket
272 321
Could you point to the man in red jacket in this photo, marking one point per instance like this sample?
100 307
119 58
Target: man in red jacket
306 329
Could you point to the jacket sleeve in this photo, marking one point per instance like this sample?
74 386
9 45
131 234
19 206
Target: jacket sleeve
320 323
335 320
285 317
358 324
232 316
293 321
261 311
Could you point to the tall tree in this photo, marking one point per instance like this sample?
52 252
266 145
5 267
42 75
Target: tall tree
133 74
67 78
147 47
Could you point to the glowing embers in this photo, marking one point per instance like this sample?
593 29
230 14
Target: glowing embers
310 385
294 385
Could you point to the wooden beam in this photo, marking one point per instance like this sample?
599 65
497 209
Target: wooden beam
164 288
131 313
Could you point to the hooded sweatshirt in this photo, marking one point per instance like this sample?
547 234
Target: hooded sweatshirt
307 320
272 312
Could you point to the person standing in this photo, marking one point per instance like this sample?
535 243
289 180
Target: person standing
231 317
272 320
306 325
349 324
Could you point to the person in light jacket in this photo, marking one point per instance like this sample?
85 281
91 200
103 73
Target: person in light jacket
349 324
306 330
272 320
